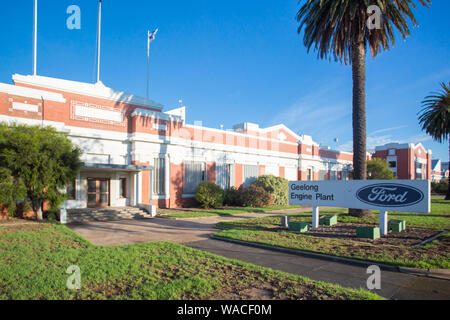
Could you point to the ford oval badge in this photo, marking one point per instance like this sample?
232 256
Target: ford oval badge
390 195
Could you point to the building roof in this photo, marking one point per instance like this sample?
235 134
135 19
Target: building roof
401 146
436 165
31 93
97 90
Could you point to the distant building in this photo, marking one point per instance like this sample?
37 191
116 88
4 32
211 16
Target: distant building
407 161
445 169
436 171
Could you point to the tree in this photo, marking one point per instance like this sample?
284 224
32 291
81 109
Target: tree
40 161
11 190
378 169
339 28
434 118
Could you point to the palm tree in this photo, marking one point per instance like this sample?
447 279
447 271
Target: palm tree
435 117
339 28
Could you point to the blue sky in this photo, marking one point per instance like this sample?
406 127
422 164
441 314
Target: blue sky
234 61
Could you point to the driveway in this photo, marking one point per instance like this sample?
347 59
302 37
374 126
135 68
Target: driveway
196 233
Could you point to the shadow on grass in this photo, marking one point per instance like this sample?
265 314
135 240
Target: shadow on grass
244 210
442 201
419 214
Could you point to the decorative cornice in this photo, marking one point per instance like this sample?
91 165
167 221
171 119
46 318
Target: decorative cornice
98 90
31 93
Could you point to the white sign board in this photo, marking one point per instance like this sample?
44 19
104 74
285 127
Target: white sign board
386 195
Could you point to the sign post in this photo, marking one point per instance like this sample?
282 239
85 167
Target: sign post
315 220
383 222
384 196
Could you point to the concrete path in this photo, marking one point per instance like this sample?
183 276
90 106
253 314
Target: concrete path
160 229
196 233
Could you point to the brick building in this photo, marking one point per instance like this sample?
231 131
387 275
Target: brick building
407 161
136 154
439 170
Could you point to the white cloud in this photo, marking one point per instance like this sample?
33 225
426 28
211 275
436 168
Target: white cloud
387 130
315 115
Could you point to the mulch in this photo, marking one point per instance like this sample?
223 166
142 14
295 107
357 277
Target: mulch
347 231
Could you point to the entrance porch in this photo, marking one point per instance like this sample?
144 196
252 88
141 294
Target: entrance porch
100 186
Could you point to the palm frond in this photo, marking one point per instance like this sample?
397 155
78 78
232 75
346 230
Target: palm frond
332 26
434 118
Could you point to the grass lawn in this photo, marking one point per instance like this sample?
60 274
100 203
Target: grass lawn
34 259
226 211
433 255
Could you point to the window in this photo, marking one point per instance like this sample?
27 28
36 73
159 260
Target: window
72 191
344 175
194 173
250 174
159 179
323 175
392 164
419 171
333 175
225 175
310 175
123 188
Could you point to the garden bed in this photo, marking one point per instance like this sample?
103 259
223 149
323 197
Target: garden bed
397 248
434 255
347 231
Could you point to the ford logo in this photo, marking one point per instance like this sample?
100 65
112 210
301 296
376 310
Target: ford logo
390 195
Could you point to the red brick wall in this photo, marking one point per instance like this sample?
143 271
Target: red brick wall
239 175
303 175
262 170
211 172
282 172
176 185
3 213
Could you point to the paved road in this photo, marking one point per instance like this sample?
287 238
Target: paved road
196 234
394 285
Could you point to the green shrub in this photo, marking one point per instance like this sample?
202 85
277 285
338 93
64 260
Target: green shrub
256 197
52 215
440 187
276 186
233 197
209 195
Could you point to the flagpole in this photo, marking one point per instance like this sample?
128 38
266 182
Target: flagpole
150 38
148 64
35 38
99 38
